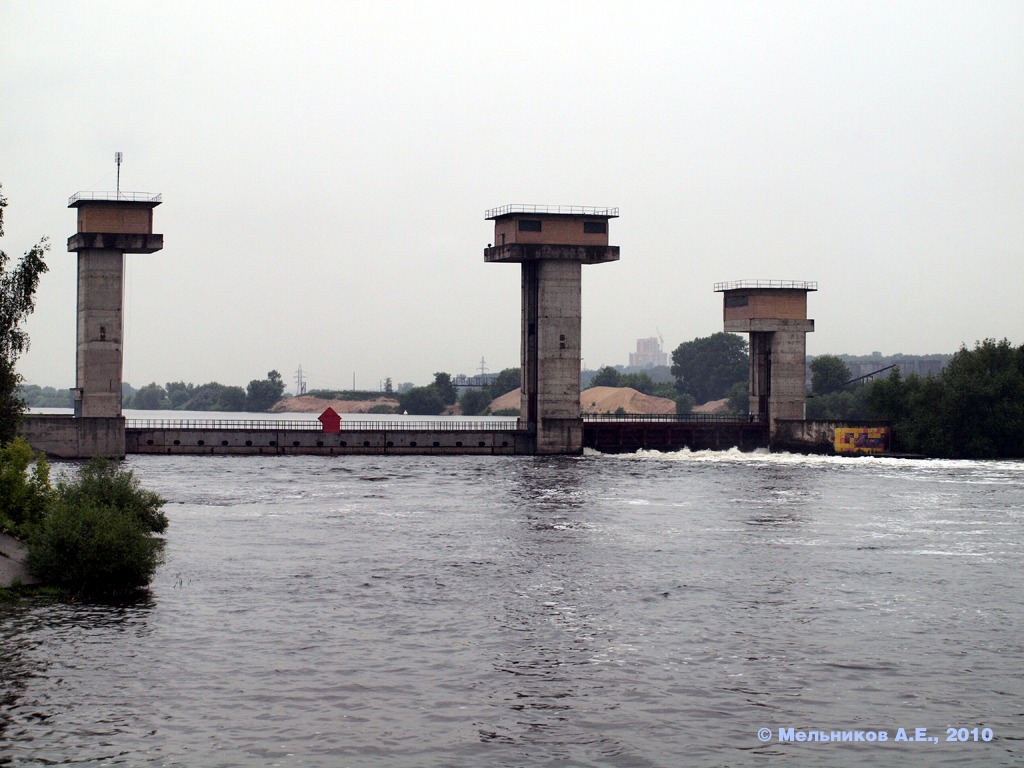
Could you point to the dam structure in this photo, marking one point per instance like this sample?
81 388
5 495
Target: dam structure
774 315
109 225
551 244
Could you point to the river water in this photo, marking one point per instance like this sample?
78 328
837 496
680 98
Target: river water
642 610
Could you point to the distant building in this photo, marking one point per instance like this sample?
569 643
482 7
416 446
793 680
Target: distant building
865 365
648 353
477 381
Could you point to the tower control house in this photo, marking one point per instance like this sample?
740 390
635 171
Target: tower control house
551 243
110 224
774 314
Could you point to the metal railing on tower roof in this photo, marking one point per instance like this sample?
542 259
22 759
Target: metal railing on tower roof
564 210
128 197
799 285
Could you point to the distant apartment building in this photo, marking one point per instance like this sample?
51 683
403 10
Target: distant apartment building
648 353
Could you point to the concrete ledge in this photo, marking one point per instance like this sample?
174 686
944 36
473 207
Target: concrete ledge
768 325
70 437
115 241
273 442
519 252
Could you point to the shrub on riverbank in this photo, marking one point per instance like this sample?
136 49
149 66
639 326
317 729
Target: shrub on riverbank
25 489
91 535
96 537
93 549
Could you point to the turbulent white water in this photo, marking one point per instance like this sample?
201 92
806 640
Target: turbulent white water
633 610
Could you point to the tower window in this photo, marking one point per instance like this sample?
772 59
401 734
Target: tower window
529 225
595 227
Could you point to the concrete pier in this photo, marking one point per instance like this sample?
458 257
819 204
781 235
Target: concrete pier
551 244
110 224
774 314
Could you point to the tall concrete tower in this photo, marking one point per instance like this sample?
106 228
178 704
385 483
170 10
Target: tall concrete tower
110 224
774 313
551 243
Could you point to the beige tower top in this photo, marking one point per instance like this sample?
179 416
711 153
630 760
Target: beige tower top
556 232
120 221
766 305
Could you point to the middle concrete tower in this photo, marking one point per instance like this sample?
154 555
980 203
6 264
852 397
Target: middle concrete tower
774 314
551 243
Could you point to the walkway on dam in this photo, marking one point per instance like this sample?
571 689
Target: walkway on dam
606 433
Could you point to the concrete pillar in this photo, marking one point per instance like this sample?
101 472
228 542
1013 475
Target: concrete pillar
109 226
100 325
552 245
551 354
774 314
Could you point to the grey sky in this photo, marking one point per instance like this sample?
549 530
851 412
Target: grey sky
325 167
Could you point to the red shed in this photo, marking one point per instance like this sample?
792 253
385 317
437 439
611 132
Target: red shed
330 419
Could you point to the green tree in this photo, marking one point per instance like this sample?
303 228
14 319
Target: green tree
606 377
641 382
973 409
151 397
475 401
739 398
445 388
707 367
507 380
423 401
178 393
261 394
17 301
684 404
25 488
848 403
828 374
230 399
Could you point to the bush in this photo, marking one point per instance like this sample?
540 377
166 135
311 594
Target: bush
24 488
96 535
103 483
93 549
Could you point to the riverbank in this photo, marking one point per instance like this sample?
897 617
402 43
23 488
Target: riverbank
13 570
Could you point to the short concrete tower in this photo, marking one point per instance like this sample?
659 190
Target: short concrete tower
551 243
110 224
774 313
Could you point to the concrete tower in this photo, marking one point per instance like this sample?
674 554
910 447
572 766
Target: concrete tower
774 313
110 224
551 243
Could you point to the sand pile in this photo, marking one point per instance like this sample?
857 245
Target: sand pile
713 406
603 400
610 399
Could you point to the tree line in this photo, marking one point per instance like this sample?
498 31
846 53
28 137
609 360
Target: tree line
973 409
258 397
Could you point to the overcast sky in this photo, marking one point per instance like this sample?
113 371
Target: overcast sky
325 168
